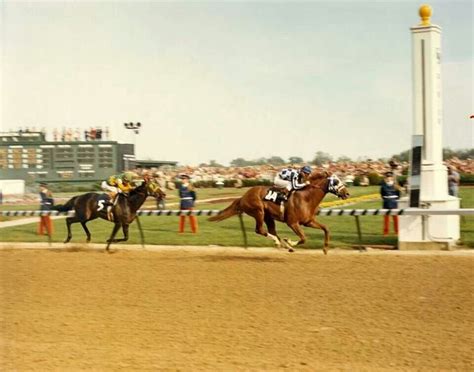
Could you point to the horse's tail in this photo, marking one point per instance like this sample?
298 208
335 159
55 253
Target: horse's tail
65 207
230 211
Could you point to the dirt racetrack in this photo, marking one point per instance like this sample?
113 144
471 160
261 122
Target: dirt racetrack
235 310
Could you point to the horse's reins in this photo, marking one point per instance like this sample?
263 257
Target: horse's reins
330 186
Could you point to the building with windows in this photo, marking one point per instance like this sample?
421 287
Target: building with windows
29 156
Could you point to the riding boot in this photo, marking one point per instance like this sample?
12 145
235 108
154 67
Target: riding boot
182 220
41 226
194 225
113 197
49 225
386 224
284 194
110 214
395 224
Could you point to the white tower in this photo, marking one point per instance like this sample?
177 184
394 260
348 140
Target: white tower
418 232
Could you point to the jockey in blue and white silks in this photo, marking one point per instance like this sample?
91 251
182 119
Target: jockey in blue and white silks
292 179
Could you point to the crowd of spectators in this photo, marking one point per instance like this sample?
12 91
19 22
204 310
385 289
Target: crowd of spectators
91 134
71 134
462 166
347 171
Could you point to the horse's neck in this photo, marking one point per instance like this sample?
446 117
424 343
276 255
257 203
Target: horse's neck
313 195
137 199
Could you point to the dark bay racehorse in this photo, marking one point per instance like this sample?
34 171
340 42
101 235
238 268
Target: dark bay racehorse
90 206
300 209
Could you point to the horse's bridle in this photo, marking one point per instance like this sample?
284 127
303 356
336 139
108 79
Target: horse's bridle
334 187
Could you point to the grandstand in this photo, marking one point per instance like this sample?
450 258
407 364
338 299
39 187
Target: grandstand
31 157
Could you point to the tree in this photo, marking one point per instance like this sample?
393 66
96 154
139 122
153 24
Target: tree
275 160
295 160
343 158
403 156
239 162
321 157
259 161
213 163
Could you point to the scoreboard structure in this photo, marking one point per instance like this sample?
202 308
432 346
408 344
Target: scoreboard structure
29 156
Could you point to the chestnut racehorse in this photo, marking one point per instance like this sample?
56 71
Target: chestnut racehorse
300 209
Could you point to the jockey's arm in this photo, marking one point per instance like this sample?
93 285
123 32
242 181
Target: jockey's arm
296 184
124 187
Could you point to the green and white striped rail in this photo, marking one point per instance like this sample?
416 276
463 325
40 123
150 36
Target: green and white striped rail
321 212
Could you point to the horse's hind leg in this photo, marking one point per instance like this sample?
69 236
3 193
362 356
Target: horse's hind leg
272 233
259 229
259 216
316 225
87 231
69 222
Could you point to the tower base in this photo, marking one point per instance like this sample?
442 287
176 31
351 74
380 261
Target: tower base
429 232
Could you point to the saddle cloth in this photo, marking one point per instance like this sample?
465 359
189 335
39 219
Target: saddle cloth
275 195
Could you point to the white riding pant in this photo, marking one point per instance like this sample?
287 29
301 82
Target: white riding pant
278 182
106 187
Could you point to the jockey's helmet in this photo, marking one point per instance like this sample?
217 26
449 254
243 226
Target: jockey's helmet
130 176
306 169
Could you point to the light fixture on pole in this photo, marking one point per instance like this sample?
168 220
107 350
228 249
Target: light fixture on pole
136 129
133 126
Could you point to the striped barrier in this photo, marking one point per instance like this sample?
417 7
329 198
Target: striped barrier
321 212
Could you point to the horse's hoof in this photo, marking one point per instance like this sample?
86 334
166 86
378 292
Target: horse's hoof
67 241
291 250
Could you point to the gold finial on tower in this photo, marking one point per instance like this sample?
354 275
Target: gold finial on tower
425 14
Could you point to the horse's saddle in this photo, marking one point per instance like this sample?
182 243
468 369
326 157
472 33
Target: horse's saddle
276 195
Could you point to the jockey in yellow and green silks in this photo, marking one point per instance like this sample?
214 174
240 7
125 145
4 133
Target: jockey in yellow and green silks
119 183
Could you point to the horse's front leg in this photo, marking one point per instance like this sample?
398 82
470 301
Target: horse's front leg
316 225
295 226
125 232
112 236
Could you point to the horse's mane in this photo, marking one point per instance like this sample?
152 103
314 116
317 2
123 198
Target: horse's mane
139 189
316 177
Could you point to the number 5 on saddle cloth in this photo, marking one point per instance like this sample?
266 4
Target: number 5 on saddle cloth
106 203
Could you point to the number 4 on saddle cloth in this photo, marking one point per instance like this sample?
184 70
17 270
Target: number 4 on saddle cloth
276 195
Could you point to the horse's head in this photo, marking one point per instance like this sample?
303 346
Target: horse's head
336 186
153 189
